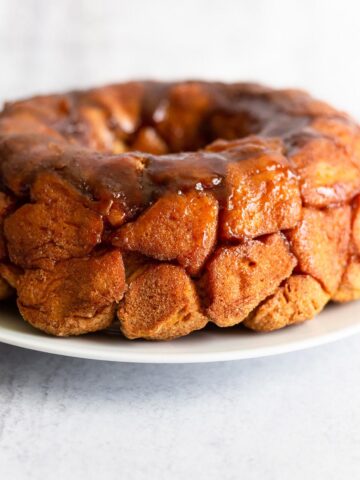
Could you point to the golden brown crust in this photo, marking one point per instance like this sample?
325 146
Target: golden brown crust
5 289
74 296
57 226
11 274
160 304
262 197
240 277
355 233
210 177
299 299
328 171
176 227
320 243
349 288
180 116
7 204
148 140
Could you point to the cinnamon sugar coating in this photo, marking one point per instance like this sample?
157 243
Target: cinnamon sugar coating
240 277
175 227
74 296
225 202
299 299
161 303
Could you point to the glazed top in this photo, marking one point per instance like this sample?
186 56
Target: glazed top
126 145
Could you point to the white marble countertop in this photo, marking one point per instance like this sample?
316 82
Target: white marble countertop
293 416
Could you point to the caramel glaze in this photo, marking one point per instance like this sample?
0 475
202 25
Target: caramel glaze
53 132
125 146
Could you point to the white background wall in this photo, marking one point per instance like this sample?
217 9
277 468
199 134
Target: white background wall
295 416
55 44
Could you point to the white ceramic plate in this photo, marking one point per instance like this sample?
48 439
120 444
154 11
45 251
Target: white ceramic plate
209 345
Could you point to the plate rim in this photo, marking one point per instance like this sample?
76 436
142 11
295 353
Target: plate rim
57 346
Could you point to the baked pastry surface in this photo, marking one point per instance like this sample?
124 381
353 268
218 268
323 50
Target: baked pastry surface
169 205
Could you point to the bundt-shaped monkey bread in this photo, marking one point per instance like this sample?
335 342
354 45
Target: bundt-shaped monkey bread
165 206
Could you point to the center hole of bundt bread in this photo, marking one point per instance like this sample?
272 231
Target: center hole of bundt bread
190 133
